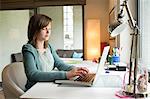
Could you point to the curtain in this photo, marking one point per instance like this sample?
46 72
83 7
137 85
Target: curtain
144 20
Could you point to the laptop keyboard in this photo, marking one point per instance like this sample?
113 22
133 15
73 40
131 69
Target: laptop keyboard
87 78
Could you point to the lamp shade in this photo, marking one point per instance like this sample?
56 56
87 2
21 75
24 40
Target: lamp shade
92 39
118 29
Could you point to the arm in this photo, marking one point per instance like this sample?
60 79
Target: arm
33 72
72 70
59 63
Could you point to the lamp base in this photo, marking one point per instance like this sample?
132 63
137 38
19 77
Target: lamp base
136 95
129 92
129 95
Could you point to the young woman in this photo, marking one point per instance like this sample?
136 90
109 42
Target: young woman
40 58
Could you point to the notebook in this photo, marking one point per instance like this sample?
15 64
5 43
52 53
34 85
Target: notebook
90 79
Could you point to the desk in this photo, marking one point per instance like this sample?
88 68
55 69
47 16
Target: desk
50 91
106 91
109 86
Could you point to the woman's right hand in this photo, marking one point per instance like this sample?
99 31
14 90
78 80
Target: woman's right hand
77 71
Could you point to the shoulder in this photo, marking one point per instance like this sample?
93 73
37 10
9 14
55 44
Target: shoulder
50 47
28 47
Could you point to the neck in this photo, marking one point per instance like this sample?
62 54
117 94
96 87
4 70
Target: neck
40 44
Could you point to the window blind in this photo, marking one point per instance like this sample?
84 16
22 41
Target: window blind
145 31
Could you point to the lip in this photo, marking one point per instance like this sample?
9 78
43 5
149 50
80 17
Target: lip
46 35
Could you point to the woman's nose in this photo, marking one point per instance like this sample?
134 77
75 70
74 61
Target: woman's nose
48 31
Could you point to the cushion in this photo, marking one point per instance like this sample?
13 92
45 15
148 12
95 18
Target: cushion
77 55
67 53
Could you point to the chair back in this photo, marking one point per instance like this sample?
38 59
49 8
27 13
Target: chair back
13 80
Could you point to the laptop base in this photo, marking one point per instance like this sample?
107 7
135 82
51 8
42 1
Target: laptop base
73 83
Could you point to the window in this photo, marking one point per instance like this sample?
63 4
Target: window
145 31
68 27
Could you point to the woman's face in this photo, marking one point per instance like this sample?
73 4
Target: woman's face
44 33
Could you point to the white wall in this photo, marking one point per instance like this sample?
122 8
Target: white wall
13 34
145 32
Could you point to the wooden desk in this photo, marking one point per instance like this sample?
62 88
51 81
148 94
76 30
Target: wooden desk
51 91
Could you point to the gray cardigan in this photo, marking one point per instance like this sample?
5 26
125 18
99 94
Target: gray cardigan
33 67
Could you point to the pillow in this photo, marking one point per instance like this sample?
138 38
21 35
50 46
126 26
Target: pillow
77 55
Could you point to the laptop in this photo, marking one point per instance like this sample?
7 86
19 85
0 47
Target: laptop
91 78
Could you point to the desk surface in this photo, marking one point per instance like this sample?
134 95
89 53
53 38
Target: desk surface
50 91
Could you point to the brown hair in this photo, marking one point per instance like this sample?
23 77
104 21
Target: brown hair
36 23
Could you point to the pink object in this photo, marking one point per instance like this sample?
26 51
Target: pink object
121 94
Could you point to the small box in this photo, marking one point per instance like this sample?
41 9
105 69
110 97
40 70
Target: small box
120 68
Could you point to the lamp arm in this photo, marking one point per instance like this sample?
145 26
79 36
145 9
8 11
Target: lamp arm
132 21
138 29
131 53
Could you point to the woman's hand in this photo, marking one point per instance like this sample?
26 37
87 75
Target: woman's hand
77 71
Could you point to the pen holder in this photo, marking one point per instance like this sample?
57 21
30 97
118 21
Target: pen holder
116 59
110 60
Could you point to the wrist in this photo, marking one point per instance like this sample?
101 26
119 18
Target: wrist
67 75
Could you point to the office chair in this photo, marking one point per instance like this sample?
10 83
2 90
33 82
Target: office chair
13 80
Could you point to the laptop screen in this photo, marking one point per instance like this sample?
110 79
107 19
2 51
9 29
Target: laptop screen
100 67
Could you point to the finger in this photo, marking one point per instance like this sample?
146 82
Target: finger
87 70
79 68
82 73
79 74
84 69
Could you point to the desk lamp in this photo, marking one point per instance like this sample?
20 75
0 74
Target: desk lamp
134 49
